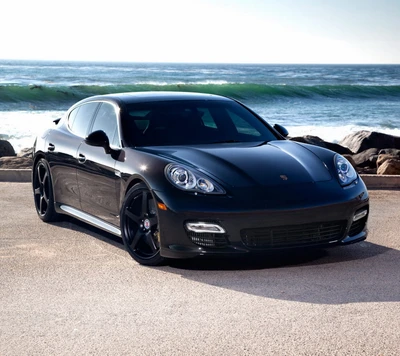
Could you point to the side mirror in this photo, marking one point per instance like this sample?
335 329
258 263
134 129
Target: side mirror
282 130
99 139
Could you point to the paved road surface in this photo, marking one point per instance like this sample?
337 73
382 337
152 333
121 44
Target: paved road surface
66 289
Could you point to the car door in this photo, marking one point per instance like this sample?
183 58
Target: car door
97 178
62 146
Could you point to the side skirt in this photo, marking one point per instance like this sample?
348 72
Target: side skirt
65 209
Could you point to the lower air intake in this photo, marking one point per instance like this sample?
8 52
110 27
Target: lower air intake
357 226
293 235
208 239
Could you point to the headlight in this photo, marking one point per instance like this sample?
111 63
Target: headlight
346 173
189 180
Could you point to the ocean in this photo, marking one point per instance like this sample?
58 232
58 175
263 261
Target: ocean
329 101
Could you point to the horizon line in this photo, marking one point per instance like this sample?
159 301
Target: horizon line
178 62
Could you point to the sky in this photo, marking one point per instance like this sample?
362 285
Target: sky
210 31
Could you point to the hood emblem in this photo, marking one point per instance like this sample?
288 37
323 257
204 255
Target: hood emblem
283 177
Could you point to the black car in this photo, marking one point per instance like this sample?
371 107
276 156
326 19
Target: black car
179 175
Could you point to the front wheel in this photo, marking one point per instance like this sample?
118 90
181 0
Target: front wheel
43 191
139 226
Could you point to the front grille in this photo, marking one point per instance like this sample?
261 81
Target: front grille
208 239
357 226
293 235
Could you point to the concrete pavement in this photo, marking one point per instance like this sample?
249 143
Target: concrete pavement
67 289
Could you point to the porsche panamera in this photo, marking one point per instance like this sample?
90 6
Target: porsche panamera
179 175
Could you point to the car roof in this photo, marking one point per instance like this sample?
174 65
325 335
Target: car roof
152 96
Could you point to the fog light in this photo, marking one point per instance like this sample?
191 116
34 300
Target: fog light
360 215
203 227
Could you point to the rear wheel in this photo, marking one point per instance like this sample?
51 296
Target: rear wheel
43 191
139 226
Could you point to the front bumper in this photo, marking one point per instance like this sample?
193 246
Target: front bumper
253 225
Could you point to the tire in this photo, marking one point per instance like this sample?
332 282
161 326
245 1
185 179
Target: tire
139 226
43 192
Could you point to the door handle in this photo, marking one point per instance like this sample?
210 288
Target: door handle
51 147
81 158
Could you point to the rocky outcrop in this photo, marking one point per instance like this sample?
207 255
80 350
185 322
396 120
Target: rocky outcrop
316 141
388 162
390 151
6 149
369 152
382 158
25 152
388 165
373 161
366 158
363 140
375 152
8 159
15 162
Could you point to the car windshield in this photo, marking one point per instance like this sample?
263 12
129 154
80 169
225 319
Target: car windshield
191 123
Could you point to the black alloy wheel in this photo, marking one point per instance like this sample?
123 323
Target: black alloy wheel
43 192
139 226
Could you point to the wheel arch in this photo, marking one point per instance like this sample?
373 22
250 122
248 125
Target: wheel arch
133 182
38 156
135 234
43 189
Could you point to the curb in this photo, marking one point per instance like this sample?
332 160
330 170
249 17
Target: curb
370 180
381 181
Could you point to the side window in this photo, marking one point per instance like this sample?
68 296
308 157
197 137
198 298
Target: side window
106 120
81 117
72 116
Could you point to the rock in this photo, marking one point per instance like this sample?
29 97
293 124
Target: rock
316 141
366 158
390 151
363 140
6 149
390 166
25 152
15 162
383 158
388 163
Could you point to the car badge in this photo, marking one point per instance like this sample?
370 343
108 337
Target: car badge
283 177
146 224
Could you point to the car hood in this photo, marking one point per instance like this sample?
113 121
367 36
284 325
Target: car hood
245 164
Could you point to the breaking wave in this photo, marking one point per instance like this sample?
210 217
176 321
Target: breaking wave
43 97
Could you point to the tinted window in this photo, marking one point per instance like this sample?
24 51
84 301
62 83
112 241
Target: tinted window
191 122
81 117
106 120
